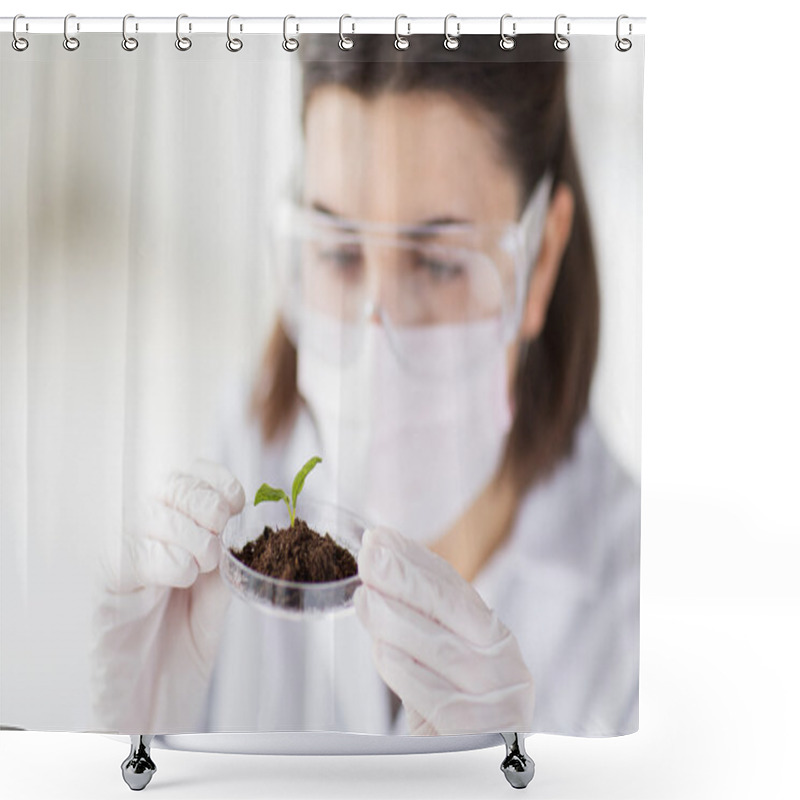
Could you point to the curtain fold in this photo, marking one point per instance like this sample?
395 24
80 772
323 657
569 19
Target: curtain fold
129 182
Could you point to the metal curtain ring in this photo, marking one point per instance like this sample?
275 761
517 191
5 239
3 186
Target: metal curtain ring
401 42
182 42
70 42
451 42
17 42
560 42
129 43
345 42
234 45
290 44
623 45
507 42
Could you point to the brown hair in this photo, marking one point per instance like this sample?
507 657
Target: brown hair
524 90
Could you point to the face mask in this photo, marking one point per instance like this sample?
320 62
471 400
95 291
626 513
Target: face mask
401 450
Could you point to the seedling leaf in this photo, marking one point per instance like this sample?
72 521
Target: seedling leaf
300 478
267 492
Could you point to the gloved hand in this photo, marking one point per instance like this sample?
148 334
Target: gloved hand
456 667
160 606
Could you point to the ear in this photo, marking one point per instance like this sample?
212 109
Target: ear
557 229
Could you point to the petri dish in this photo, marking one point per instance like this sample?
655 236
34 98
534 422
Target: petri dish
291 599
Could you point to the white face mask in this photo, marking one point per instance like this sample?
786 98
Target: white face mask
401 450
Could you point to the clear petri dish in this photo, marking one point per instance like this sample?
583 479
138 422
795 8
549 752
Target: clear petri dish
291 599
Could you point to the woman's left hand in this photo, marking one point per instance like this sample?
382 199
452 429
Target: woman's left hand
456 667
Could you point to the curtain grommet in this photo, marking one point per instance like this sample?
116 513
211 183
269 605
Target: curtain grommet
401 42
290 44
623 44
560 42
451 42
345 42
129 43
233 44
183 43
70 43
507 42
18 42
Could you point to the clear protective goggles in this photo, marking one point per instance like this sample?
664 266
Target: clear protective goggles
416 280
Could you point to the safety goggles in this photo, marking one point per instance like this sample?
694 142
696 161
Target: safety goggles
417 280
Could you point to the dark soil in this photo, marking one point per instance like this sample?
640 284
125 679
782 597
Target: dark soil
298 553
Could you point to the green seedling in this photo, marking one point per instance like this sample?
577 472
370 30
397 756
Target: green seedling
267 492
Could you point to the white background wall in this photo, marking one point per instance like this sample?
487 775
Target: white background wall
720 603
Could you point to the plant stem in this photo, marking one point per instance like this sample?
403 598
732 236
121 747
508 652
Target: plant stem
291 513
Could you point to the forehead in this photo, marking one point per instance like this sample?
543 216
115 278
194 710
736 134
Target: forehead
405 157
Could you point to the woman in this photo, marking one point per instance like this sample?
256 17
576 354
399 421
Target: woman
441 210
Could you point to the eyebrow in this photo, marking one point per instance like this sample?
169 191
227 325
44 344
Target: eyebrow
434 221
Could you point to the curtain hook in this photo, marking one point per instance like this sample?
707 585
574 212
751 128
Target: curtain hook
623 45
17 42
345 42
234 45
401 42
181 42
451 42
70 42
129 43
560 42
507 42
290 44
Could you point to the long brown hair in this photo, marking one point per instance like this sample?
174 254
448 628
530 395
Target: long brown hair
524 90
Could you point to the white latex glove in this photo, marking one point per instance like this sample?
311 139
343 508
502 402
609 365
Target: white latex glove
161 604
456 667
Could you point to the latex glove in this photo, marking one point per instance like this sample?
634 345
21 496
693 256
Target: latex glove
160 606
456 667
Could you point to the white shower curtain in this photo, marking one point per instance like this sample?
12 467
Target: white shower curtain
132 183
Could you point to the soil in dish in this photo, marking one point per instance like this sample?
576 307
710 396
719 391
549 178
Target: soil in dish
298 553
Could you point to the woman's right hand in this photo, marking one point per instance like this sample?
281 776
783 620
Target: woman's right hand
162 603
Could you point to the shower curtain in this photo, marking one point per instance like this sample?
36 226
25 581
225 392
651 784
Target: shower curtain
321 384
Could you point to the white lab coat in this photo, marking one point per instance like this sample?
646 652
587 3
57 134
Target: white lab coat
565 581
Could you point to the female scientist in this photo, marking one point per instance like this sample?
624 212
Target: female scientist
436 346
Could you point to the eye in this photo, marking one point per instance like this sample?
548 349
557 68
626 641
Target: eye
342 257
440 269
